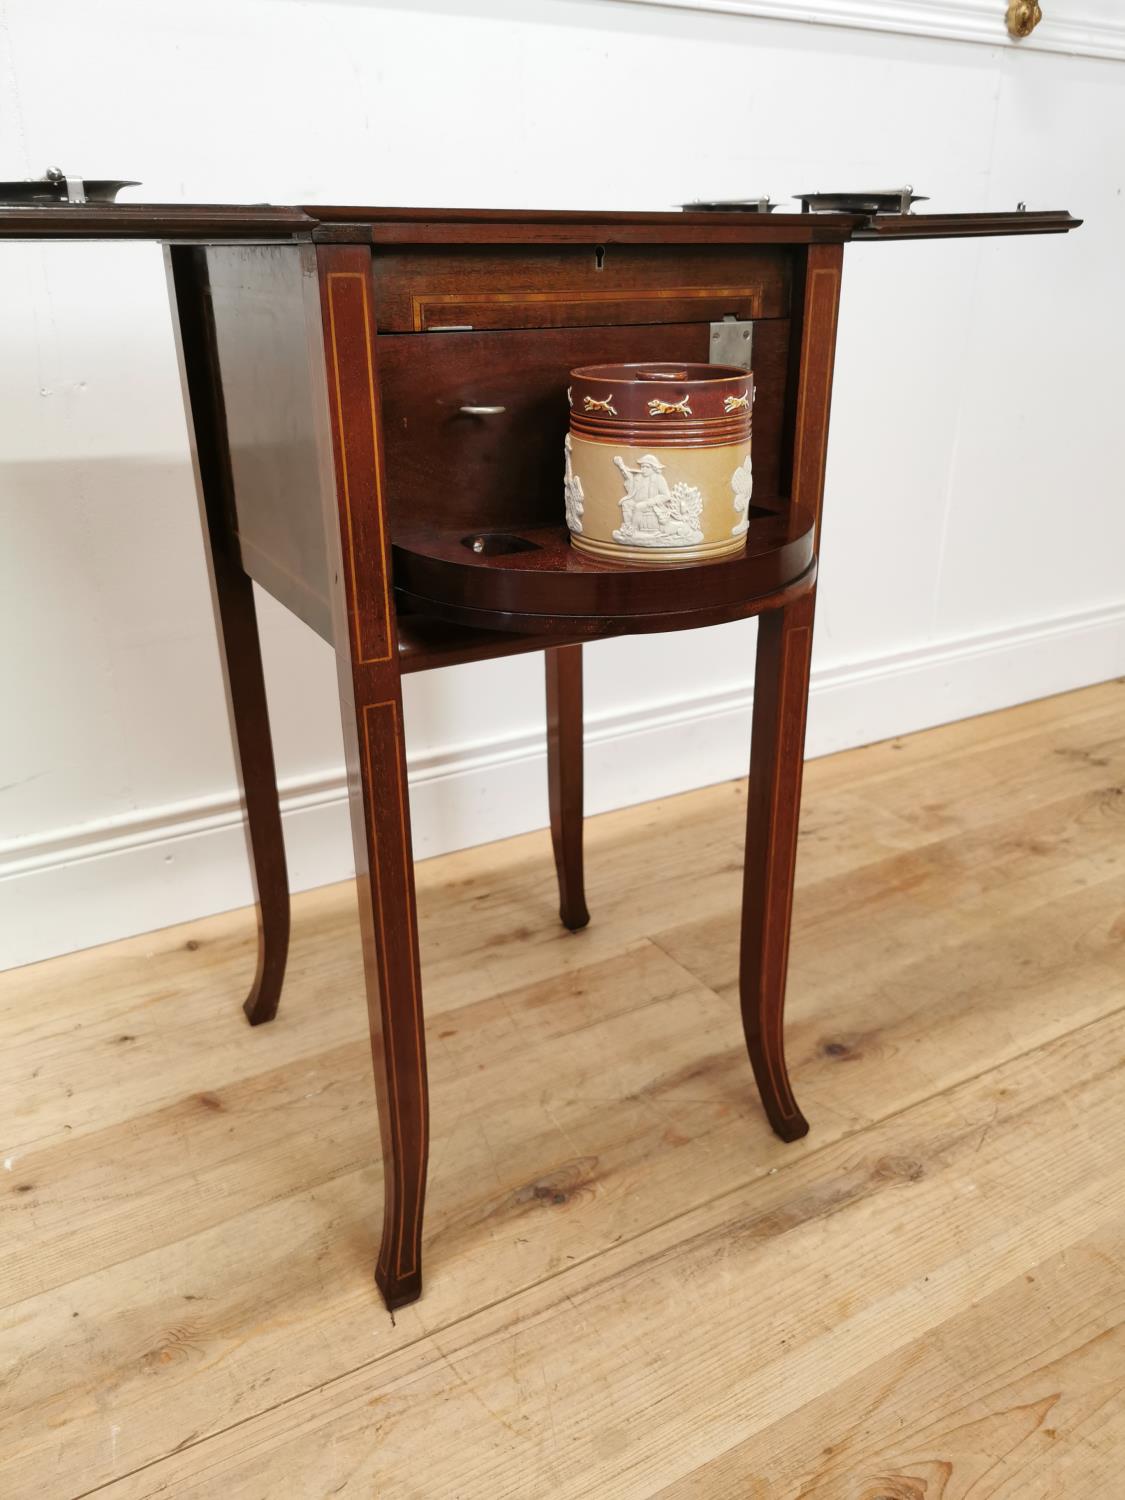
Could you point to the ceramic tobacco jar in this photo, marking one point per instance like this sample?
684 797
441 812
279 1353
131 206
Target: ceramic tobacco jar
658 467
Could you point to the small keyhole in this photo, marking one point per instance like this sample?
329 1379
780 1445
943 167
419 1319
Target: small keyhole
599 257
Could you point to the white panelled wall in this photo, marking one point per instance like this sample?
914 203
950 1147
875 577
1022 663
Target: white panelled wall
975 524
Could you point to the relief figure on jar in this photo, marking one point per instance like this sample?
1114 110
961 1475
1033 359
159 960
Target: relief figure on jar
742 483
652 515
573 495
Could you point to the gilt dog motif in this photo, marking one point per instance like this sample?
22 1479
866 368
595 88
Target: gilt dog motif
589 404
657 408
737 403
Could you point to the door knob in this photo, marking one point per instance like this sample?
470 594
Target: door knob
1023 17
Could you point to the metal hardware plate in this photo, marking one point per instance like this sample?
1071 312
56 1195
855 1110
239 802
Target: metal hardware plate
732 343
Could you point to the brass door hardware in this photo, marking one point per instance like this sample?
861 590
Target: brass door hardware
1023 17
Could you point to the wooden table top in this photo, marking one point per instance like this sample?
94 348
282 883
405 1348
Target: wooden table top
373 225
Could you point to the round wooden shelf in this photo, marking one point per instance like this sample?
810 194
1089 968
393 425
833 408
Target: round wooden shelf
532 579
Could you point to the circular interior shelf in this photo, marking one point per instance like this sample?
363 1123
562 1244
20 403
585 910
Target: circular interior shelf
531 578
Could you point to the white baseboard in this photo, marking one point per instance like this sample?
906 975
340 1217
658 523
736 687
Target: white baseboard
1095 28
80 886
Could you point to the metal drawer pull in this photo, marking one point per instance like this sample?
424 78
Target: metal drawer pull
483 411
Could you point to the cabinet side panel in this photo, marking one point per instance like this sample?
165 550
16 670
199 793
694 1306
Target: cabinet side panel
258 307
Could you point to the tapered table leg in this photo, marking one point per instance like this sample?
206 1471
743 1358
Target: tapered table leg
380 810
564 778
781 686
781 691
232 597
246 701
371 703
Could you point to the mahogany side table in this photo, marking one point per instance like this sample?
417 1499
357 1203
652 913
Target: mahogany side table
377 404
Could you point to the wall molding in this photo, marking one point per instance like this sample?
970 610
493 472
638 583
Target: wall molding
1092 33
90 883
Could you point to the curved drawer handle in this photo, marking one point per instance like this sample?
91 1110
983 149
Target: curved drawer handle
483 411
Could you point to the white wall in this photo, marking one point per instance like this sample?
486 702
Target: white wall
977 424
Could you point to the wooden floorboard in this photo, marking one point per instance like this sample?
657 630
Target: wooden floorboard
633 1289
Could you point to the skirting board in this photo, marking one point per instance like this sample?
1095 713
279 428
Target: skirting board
86 886
1093 29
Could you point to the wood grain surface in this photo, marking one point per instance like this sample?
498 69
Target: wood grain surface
634 1289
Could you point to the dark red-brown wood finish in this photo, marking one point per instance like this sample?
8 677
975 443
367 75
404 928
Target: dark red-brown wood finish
375 749
339 469
232 596
777 754
565 779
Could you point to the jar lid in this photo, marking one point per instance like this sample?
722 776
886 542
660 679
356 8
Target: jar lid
673 392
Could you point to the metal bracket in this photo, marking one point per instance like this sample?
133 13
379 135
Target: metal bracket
732 342
75 187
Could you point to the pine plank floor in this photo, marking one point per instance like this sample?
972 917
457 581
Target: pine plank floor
633 1289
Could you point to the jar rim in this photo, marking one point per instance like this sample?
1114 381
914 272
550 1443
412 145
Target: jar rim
672 372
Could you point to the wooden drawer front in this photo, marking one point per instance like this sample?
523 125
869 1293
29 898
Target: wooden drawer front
562 286
451 469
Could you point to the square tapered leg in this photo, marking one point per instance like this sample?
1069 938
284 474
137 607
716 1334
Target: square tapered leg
371 706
